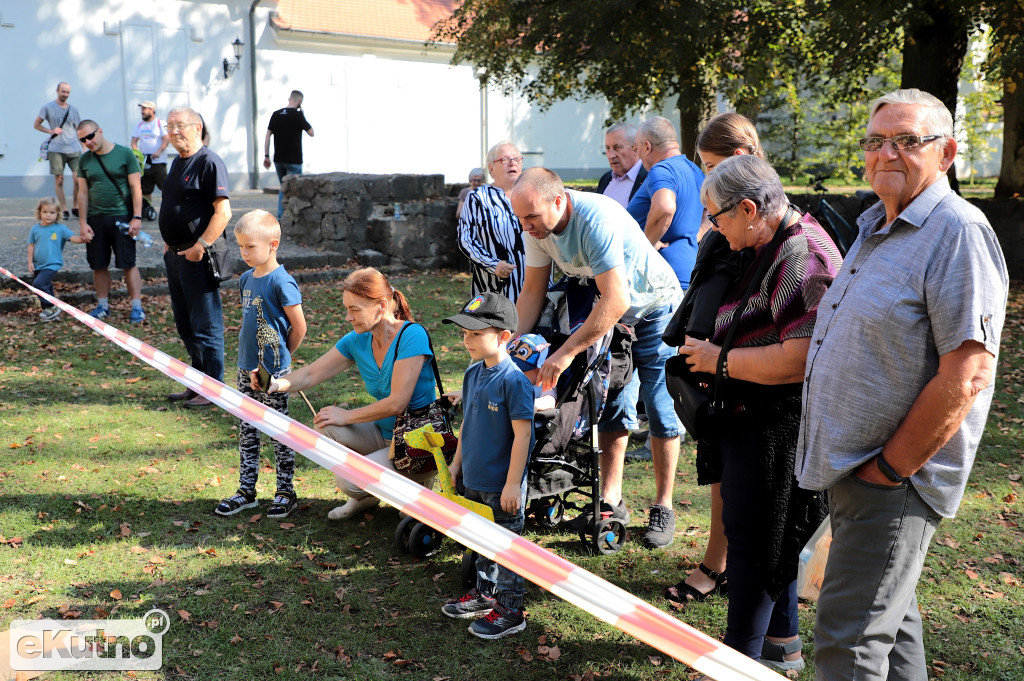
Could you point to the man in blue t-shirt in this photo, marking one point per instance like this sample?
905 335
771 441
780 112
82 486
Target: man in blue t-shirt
494 445
667 207
591 236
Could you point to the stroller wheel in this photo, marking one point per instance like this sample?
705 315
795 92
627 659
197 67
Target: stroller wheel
467 571
549 512
402 533
609 536
424 540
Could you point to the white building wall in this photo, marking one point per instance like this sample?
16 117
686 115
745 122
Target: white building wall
377 106
173 50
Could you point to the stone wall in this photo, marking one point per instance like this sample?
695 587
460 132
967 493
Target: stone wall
373 219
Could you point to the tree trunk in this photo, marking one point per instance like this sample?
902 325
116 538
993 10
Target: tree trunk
695 107
1011 170
933 55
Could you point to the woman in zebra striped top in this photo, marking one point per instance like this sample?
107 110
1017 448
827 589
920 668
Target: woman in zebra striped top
489 232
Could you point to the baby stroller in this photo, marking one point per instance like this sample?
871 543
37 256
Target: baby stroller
564 464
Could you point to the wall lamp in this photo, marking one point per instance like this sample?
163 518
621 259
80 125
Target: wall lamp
233 66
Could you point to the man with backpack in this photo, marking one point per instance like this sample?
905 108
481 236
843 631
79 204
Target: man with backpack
151 140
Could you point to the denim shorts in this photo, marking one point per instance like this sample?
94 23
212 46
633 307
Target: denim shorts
649 356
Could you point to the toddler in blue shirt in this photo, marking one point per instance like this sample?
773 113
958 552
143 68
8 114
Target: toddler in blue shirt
494 445
46 251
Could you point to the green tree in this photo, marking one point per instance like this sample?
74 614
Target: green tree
634 53
982 114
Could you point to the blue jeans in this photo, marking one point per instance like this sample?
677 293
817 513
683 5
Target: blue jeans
752 614
44 282
284 169
493 578
649 356
195 303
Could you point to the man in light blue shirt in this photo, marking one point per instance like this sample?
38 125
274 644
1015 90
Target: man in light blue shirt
591 236
898 384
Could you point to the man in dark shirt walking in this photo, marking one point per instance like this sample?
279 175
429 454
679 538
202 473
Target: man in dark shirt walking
286 126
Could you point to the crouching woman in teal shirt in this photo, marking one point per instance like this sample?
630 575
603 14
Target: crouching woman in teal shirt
392 356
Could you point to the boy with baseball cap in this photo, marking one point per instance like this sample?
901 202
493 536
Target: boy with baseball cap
494 445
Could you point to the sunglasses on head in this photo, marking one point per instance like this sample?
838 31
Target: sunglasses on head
88 137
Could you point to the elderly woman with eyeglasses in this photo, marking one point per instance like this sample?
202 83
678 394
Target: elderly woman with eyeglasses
767 517
489 232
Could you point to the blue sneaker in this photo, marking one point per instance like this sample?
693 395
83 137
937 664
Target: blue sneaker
136 316
100 312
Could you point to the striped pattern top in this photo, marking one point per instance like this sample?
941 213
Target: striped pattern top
489 232
785 305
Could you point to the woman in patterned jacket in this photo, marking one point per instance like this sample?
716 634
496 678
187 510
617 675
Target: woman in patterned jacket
489 232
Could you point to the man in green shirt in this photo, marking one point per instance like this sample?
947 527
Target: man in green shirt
109 191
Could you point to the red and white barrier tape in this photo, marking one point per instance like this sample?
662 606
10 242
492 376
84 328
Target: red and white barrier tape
542 567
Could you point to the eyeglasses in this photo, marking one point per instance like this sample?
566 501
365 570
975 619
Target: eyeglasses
174 127
88 137
899 142
509 160
724 210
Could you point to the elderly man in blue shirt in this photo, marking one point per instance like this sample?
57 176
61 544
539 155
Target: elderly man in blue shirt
907 336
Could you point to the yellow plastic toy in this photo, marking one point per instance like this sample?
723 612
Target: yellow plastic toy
426 438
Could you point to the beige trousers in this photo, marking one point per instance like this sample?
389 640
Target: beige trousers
365 438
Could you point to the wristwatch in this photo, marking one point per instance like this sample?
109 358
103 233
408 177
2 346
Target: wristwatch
136 217
888 471
203 242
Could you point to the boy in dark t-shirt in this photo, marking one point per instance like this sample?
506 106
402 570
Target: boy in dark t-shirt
494 445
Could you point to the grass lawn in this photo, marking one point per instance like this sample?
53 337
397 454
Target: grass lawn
107 492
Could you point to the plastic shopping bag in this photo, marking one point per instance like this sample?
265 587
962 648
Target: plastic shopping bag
813 557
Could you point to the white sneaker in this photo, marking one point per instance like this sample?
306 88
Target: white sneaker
49 314
352 507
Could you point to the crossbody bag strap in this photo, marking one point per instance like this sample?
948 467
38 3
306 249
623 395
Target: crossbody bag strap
755 281
61 126
433 364
112 181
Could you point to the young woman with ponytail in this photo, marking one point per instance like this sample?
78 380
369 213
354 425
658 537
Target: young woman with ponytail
396 374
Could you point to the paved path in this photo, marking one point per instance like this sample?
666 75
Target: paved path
16 219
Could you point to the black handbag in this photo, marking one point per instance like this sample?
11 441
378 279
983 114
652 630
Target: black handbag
699 398
410 460
218 260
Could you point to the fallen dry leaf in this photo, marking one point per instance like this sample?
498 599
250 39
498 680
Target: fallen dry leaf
116 594
185 615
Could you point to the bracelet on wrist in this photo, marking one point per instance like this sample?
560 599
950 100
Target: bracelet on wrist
888 471
202 241
725 367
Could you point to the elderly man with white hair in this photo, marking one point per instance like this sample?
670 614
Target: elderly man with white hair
898 385
193 215
627 173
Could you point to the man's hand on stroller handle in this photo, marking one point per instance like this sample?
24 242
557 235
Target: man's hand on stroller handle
552 368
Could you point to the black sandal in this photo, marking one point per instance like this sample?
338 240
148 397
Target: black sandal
683 592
